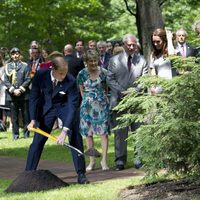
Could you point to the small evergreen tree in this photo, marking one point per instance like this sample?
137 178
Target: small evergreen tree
169 136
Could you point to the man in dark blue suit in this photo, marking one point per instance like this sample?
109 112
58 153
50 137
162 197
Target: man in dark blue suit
54 94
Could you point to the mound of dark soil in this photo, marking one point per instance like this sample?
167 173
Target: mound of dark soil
38 180
166 190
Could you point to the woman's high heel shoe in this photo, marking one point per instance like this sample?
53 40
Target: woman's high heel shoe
104 166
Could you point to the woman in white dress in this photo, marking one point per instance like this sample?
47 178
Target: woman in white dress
159 64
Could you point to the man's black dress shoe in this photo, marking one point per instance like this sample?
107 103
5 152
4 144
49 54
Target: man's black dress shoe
26 134
119 167
15 137
137 164
82 179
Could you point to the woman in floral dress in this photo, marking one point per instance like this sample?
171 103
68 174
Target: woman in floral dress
94 111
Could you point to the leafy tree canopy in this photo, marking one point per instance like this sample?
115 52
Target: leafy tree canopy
55 23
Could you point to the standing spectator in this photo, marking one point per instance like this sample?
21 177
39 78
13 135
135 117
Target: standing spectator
46 63
79 48
162 47
74 64
94 111
183 48
33 45
35 61
104 56
17 80
123 70
92 44
54 94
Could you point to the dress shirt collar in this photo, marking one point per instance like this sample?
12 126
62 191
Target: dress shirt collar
53 79
129 55
181 45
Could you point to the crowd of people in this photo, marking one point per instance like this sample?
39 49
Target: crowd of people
77 90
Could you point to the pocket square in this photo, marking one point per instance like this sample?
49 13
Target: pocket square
62 93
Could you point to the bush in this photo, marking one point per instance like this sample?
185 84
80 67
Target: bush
169 136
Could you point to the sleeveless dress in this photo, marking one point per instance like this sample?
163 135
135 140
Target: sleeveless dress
94 110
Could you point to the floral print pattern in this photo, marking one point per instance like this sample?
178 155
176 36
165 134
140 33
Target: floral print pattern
94 110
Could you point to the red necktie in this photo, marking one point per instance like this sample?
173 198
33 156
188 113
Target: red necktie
33 69
129 62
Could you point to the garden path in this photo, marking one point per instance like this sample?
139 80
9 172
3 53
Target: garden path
11 167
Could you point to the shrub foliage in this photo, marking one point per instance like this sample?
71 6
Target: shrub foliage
169 136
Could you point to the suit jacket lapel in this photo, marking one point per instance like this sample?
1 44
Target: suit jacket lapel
124 61
47 82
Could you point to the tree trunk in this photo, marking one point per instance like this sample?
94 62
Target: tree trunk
148 18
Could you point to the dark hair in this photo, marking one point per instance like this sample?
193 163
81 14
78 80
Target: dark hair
162 34
47 50
79 40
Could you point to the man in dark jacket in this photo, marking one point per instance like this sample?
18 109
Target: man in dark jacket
75 65
17 80
53 95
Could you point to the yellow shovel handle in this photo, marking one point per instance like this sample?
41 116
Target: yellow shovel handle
37 130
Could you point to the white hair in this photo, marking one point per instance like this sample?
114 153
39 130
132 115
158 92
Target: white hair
128 36
101 43
181 30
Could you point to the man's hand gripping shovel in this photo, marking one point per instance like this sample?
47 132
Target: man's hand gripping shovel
88 153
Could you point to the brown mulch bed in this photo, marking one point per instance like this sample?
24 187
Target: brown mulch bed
184 189
39 180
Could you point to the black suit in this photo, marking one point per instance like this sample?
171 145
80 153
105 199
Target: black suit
46 105
75 65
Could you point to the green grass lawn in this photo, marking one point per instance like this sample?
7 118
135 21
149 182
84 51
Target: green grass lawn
104 190
52 151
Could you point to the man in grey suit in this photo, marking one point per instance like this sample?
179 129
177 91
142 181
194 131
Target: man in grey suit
123 70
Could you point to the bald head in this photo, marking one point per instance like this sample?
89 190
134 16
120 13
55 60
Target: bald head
68 49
